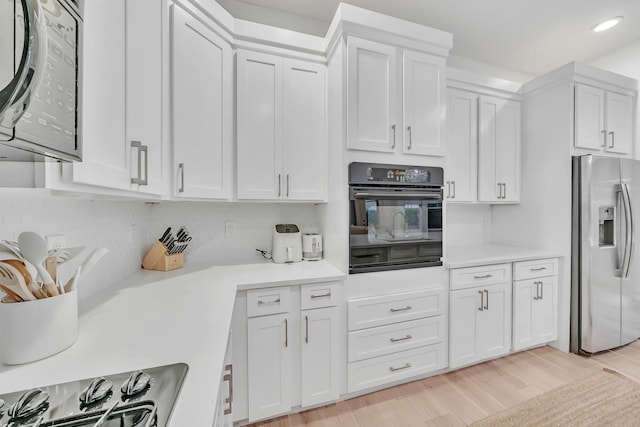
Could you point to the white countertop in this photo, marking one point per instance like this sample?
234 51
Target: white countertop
469 256
159 318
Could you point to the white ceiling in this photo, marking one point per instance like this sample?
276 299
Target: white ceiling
527 36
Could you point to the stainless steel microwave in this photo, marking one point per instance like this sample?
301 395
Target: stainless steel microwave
40 74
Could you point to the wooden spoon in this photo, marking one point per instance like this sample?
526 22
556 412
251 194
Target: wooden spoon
12 280
31 284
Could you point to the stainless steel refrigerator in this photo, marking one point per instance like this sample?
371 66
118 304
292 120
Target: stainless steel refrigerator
605 272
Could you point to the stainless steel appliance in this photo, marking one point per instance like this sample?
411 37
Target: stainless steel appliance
395 217
141 398
40 80
605 273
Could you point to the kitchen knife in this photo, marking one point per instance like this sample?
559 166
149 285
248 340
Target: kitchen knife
165 235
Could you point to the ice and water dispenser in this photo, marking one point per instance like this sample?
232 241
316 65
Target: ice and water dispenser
606 215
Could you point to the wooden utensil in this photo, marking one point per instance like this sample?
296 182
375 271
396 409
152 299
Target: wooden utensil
31 284
12 279
34 250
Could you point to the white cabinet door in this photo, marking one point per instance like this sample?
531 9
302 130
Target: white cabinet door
493 322
480 324
590 131
260 132
269 366
202 83
619 123
304 131
320 356
372 105
535 319
106 158
462 146
499 150
423 104
144 94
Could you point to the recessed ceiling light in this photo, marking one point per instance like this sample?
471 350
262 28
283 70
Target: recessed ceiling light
605 25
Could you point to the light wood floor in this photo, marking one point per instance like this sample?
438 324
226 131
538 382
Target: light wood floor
467 395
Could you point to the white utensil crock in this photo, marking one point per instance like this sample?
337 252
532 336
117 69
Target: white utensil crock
33 330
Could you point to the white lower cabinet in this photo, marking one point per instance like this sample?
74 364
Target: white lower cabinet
480 324
223 414
395 337
294 338
535 303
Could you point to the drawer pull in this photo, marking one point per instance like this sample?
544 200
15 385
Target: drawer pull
408 337
327 295
484 276
276 301
393 310
538 269
406 365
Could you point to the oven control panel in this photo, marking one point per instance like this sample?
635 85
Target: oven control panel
370 174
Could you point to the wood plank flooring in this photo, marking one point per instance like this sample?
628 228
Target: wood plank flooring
462 397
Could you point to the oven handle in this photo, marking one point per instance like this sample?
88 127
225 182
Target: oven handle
396 195
21 88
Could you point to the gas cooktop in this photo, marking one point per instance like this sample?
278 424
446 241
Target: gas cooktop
143 398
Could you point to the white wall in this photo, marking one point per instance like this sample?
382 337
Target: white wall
467 224
129 229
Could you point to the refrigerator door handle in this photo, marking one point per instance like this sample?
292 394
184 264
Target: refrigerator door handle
628 221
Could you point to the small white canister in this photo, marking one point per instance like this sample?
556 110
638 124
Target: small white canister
311 246
33 330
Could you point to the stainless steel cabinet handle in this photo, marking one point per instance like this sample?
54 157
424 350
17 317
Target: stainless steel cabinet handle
504 190
538 268
287 185
499 191
409 129
286 333
229 378
275 301
181 170
604 137
16 96
327 295
393 310
393 128
486 302
406 365
613 142
408 337
141 149
481 308
453 184
537 297
541 290
279 185
306 329
448 189
484 276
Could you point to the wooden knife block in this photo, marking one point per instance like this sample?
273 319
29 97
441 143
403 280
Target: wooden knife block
157 259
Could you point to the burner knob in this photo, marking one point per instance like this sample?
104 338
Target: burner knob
29 403
137 383
97 390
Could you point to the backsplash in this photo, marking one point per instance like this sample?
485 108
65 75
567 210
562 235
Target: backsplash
129 228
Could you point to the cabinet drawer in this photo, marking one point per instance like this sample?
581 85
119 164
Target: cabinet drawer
383 310
397 366
374 342
470 277
537 268
318 295
261 302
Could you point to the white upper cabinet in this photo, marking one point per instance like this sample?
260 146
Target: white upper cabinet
372 98
202 107
462 146
392 103
122 98
423 104
281 122
603 120
498 150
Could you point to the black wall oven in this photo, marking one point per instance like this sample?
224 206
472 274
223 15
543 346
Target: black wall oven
395 217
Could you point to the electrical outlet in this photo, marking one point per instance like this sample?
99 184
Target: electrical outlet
230 228
56 241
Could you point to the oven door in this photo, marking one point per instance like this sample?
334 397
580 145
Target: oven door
392 228
39 75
